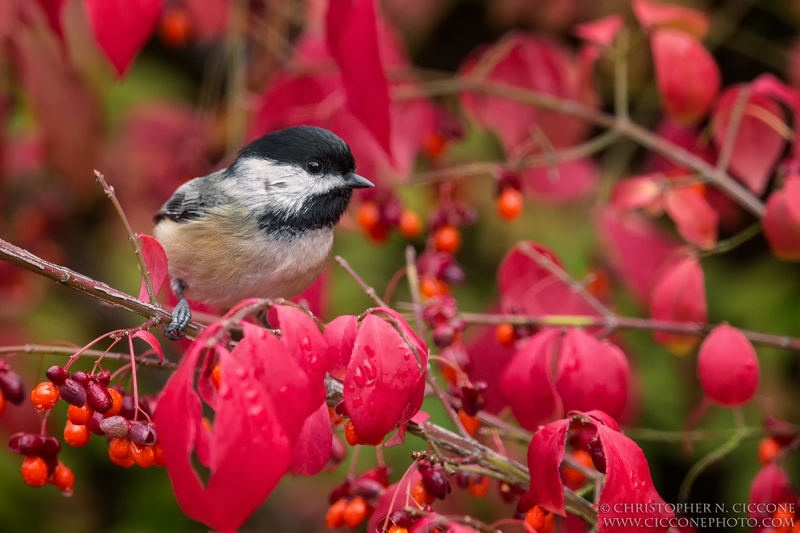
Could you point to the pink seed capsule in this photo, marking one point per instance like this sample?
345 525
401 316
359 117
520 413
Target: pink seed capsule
72 392
98 397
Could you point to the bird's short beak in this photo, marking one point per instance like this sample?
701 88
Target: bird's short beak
354 181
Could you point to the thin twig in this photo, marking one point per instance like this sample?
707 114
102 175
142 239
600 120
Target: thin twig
621 75
734 122
109 190
342 262
68 352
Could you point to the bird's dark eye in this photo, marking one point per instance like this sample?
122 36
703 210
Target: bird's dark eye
314 167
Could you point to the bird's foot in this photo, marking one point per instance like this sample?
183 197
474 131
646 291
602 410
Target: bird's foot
181 316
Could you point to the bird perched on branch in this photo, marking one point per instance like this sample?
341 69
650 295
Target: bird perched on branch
261 228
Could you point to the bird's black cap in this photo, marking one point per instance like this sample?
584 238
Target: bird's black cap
299 145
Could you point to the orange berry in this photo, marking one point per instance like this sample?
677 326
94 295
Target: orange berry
368 216
435 145
44 396
600 284
79 415
572 477
355 512
350 434
336 420
119 449
410 224
124 463
420 495
397 529
63 478
430 287
504 333
470 423
549 524
768 450
176 27
447 239
450 374
76 435
334 518
116 403
535 517
479 489
206 424
34 471
509 204
216 375
2 403
142 455
158 454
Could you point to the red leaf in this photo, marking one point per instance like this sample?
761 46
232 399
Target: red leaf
545 453
791 190
627 482
381 378
487 360
697 222
59 97
122 27
653 15
636 193
155 259
535 64
353 41
758 145
150 339
306 344
312 451
603 418
527 384
687 77
688 138
728 367
680 295
340 335
263 400
600 32
781 229
770 486
639 248
591 374
567 181
527 288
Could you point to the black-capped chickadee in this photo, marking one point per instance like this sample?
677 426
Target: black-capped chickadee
261 228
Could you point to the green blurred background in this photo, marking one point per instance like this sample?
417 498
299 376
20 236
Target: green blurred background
746 287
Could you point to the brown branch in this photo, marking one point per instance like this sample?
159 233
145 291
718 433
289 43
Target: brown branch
342 262
68 352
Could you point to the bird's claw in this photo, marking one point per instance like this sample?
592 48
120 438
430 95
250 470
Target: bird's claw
181 316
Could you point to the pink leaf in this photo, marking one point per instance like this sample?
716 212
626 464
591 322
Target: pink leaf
627 482
791 190
305 342
353 41
527 384
770 486
545 453
680 295
567 181
150 339
155 259
639 248
758 145
122 27
340 335
312 451
688 79
728 367
781 229
591 374
653 15
381 379
697 222
636 193
487 360
600 32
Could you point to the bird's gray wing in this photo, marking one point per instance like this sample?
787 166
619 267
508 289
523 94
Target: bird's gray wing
187 203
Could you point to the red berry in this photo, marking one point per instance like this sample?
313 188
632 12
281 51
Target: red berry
509 204
447 239
34 471
420 495
368 216
479 489
57 374
504 333
119 449
44 396
435 145
176 27
768 450
64 479
355 512
76 435
470 423
142 455
350 434
116 403
431 287
410 224
216 375
540 520
79 415
572 477
158 454
124 463
334 518
397 529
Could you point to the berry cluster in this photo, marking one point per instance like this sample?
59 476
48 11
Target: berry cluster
353 501
437 271
12 388
381 210
41 465
441 315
